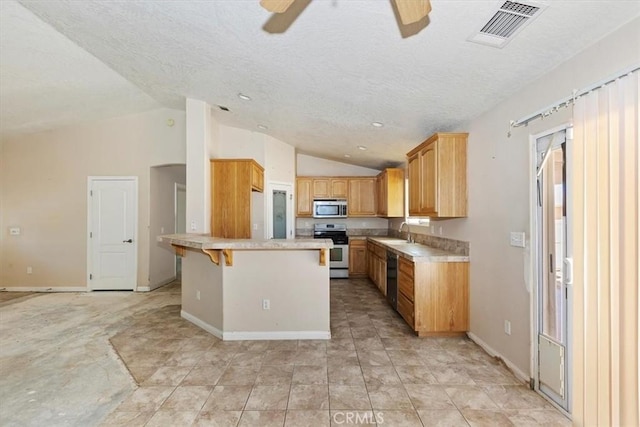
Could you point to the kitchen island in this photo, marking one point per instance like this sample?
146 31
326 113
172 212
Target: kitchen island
249 289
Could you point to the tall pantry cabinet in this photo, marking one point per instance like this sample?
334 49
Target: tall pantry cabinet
232 181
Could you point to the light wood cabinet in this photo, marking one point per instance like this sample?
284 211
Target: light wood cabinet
390 189
377 266
438 176
433 297
232 181
329 188
304 199
357 258
361 200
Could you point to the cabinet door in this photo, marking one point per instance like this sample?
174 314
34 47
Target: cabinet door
429 181
257 178
321 188
442 297
339 188
362 197
415 184
231 199
304 201
357 258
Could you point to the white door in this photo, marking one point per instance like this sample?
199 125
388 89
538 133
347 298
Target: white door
551 266
112 233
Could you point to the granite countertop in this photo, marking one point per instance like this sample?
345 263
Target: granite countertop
417 252
201 241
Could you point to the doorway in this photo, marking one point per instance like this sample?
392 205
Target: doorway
279 212
552 268
180 211
112 244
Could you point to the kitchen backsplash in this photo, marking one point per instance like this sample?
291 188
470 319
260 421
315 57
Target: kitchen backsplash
457 246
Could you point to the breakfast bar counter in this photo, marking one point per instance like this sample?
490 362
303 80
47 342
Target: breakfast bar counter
244 289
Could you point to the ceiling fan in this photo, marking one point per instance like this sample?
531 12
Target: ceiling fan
410 11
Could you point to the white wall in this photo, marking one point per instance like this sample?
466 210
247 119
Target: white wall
498 177
162 220
43 189
276 157
315 166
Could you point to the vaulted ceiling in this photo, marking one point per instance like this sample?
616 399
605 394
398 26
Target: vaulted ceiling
317 77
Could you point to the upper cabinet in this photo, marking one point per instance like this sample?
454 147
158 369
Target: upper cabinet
304 196
438 176
362 197
390 186
330 188
367 196
232 181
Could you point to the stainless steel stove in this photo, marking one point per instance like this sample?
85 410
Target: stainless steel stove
339 255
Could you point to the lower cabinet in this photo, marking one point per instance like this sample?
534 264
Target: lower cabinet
377 266
433 297
357 258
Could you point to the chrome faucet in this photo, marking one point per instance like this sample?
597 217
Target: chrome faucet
409 239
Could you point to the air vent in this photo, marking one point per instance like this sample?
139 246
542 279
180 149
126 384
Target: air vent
505 23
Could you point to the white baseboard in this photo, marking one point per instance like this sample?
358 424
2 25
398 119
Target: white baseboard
43 289
277 335
516 371
143 289
202 324
240 336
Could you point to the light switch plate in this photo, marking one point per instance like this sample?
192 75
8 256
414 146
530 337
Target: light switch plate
517 239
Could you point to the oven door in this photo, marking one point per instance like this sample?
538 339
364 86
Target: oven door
339 261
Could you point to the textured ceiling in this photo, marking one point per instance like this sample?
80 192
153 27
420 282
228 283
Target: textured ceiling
340 65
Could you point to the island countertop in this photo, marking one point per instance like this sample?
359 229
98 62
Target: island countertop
203 241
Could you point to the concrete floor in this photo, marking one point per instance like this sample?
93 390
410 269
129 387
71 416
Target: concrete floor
57 366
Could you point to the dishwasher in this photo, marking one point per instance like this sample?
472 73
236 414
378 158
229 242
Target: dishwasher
392 279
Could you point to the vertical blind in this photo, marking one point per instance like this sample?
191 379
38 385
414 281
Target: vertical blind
605 211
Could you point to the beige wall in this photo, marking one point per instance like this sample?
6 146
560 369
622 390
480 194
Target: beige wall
162 220
44 191
498 177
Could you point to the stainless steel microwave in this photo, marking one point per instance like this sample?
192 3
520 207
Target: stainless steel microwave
330 208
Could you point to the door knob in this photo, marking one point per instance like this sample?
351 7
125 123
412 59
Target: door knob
128 241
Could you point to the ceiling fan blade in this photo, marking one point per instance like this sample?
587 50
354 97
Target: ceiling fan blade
276 6
411 11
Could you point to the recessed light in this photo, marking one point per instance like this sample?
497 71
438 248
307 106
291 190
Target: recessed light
347 155
263 127
244 97
377 124
362 147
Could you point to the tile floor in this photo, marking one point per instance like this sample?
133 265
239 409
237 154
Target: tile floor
372 371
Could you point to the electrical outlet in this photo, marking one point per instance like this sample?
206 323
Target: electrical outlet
440 230
255 226
266 304
507 327
193 226
198 295
14 231
29 270
433 229
161 230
